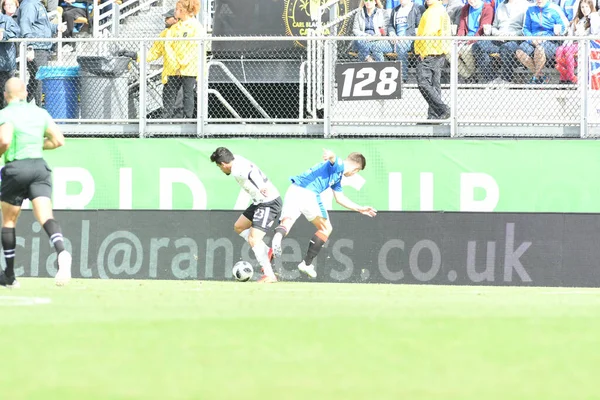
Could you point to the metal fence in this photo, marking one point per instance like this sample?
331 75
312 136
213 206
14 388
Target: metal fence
287 86
136 18
128 18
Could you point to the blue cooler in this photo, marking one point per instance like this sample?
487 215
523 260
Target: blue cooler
60 85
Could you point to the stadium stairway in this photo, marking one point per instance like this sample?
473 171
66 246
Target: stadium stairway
144 24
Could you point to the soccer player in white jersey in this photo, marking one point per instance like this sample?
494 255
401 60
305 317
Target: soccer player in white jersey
252 225
304 197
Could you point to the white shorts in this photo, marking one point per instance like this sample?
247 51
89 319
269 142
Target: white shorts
302 201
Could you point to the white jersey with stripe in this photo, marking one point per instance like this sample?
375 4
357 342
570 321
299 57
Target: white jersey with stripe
252 180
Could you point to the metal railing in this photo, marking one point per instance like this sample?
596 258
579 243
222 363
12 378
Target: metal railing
108 15
269 91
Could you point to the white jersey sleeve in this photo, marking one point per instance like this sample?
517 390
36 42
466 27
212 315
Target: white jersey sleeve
253 180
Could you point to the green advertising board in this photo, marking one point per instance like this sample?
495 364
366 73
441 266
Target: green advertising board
445 174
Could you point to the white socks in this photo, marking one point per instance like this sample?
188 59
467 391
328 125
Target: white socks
245 234
261 251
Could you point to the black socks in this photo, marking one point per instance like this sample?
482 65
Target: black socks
9 242
52 228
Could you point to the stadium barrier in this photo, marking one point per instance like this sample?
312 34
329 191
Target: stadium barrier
401 175
272 86
410 247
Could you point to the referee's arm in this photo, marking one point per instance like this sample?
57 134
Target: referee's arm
6 134
53 137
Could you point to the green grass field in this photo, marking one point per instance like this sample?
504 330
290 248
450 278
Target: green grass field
213 340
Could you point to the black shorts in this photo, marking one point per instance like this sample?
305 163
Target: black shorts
264 215
25 179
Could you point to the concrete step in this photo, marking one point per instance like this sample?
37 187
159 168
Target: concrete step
145 23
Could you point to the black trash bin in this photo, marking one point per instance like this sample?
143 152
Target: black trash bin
104 87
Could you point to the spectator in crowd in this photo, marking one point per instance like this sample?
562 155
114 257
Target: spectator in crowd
33 21
454 8
158 48
569 8
8 51
10 7
473 17
183 72
432 57
586 21
391 4
72 9
50 5
404 21
371 21
495 4
156 52
508 21
542 21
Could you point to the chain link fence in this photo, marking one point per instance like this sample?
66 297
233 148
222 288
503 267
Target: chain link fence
308 86
482 82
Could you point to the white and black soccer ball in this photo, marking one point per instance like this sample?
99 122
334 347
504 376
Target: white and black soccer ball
243 271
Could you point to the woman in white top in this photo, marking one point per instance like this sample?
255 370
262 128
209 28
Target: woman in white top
586 22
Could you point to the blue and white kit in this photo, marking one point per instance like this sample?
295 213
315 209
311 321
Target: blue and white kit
304 194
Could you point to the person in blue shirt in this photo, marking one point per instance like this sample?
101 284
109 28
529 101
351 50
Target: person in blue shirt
540 22
34 23
72 9
404 21
304 197
569 7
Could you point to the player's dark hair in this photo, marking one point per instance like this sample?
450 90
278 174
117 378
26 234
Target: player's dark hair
359 159
222 155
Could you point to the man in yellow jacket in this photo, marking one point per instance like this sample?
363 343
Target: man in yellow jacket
157 51
181 58
432 56
158 48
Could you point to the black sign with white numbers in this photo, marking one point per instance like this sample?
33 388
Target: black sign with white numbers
369 81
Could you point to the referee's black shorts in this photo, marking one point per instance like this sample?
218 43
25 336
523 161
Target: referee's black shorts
25 179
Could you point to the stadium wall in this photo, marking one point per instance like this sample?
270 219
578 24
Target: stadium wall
401 175
395 247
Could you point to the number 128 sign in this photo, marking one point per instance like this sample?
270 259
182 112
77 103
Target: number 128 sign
369 81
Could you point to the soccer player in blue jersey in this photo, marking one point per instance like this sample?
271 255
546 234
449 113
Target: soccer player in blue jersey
304 197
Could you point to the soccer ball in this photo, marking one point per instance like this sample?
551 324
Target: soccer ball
243 271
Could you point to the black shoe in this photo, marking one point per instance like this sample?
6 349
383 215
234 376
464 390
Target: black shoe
8 282
445 115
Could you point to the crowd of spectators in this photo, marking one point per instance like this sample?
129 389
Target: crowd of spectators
542 23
